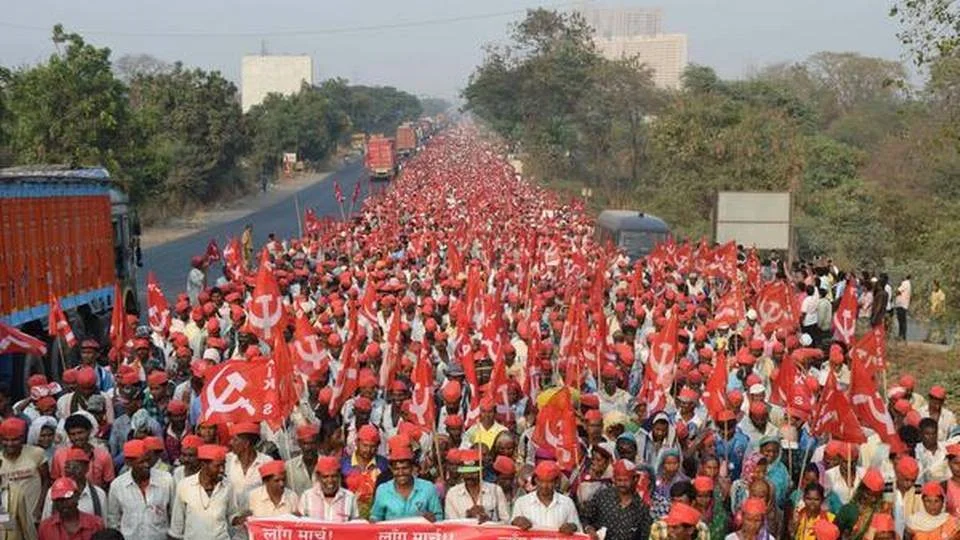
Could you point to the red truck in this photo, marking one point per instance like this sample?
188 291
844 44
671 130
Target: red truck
381 158
68 234
406 139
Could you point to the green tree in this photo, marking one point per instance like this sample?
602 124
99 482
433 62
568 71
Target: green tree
70 109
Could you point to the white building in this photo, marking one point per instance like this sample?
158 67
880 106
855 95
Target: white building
665 54
266 74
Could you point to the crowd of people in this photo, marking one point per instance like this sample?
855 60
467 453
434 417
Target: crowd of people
491 295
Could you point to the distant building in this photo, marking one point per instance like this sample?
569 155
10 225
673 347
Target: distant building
630 31
665 54
266 74
623 22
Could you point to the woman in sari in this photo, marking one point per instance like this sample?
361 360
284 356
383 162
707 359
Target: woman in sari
754 468
932 522
710 506
777 472
809 512
813 474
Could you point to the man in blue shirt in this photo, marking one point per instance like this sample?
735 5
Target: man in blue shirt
405 495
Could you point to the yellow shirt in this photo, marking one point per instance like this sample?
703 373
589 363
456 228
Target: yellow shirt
937 301
804 530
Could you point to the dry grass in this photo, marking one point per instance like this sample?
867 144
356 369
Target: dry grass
930 364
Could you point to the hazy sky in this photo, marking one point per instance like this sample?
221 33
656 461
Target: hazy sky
733 36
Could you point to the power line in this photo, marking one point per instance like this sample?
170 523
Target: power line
324 31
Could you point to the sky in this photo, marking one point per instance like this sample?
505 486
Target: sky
428 47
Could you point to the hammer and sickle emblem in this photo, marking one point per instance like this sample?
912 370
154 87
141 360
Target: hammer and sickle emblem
267 318
556 441
770 311
220 403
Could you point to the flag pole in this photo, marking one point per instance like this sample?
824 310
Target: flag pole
296 205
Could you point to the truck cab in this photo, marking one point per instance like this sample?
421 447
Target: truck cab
631 230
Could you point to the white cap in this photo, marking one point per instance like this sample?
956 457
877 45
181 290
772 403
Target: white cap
758 389
752 314
211 354
806 340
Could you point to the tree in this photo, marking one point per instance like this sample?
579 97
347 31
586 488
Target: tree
930 28
130 66
69 110
433 106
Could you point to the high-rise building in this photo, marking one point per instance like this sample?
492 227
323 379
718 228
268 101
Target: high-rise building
623 22
262 75
627 32
665 54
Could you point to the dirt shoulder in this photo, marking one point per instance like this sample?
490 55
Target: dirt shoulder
930 364
229 211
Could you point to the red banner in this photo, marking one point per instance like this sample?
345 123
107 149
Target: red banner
307 529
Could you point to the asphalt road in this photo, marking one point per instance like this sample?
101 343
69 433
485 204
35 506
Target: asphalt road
171 261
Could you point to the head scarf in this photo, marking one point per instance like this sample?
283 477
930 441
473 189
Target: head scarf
33 434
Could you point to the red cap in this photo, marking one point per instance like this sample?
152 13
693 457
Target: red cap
953 450
134 449
307 432
63 488
487 404
191 441
593 415
932 489
757 408
610 371
882 523
362 403
504 465
86 376
453 420
13 428
271 468
244 428
76 454
399 449
754 506
623 467
36 380
688 394
212 452
451 391
368 434
873 480
726 415
682 514
938 392
176 407
547 470
908 467
902 406
153 444
327 465
826 530
703 484
590 401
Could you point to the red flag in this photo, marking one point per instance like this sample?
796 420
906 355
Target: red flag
867 403
421 401
158 311
307 348
368 304
57 324
556 428
284 382
715 391
338 192
834 415
388 367
652 391
663 353
871 350
265 311
845 319
232 253
752 270
356 193
213 251
730 308
788 378
15 341
237 391
118 320
774 305
347 378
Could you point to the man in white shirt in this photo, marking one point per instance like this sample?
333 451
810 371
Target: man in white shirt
92 499
901 304
931 453
140 498
204 504
808 308
196 279
273 498
327 500
934 408
473 498
544 508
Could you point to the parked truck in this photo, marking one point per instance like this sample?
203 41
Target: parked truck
406 140
67 234
381 158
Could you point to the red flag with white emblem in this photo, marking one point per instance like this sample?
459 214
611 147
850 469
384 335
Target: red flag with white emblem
265 311
158 310
730 308
775 306
715 391
663 353
389 366
237 391
57 324
307 349
556 428
422 403
119 332
348 376
867 403
871 350
845 319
